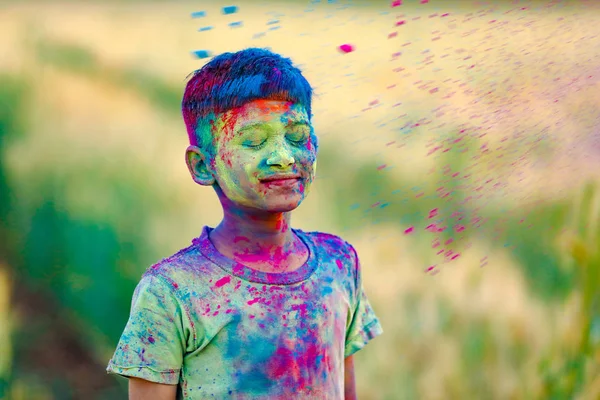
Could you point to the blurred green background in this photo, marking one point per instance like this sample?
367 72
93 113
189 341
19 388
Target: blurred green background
487 111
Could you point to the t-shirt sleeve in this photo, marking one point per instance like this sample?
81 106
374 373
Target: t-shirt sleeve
153 342
363 325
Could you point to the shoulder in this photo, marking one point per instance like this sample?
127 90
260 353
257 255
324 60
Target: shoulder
177 269
341 256
332 245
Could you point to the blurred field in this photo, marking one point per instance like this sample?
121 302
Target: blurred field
94 189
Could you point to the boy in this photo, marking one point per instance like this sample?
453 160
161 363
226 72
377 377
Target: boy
253 309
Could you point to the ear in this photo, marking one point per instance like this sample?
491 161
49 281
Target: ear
198 163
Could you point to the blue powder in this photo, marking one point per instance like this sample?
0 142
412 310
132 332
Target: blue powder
230 10
201 53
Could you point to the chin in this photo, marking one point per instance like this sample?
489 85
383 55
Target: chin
282 205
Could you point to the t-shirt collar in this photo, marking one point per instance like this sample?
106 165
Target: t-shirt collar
234 268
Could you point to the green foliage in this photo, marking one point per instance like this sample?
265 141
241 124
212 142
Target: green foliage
533 247
14 94
79 263
86 265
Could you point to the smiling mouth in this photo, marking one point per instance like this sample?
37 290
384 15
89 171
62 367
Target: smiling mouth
281 180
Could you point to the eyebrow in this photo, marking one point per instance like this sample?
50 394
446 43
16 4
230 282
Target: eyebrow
252 125
260 124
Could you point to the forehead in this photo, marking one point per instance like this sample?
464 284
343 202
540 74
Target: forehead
266 111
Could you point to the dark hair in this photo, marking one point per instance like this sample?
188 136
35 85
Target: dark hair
231 80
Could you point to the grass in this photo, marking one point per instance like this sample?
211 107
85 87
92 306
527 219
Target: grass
581 244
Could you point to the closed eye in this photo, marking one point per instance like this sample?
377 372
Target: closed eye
254 139
301 141
298 136
255 144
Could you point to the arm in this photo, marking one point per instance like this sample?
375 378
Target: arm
349 384
140 389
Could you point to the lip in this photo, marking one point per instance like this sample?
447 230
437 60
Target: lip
280 178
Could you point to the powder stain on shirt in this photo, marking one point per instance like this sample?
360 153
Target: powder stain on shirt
220 329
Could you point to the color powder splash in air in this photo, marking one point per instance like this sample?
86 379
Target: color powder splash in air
445 95
486 129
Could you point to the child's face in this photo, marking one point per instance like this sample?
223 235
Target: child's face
265 155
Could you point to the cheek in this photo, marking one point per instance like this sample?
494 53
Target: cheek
220 166
235 171
308 158
226 176
226 158
248 170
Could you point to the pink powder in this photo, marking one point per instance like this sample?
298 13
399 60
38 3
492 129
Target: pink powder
256 300
223 281
346 48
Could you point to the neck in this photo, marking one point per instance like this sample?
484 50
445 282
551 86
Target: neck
254 233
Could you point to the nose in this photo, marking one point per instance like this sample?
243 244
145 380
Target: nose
281 157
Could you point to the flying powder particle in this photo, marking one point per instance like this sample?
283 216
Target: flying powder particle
346 48
230 10
201 53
